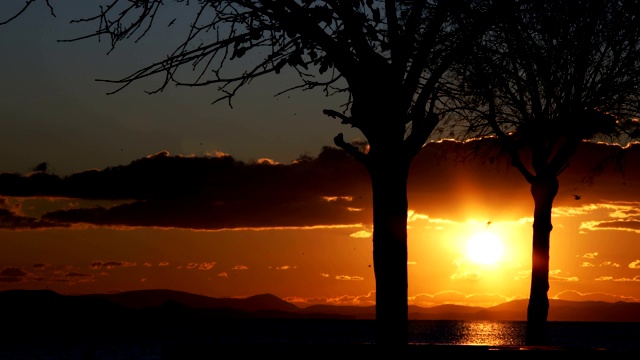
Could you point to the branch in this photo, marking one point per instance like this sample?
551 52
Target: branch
506 141
421 128
421 55
475 30
334 114
393 32
24 8
409 36
350 149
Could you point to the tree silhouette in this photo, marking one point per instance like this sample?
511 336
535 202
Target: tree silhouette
549 76
388 56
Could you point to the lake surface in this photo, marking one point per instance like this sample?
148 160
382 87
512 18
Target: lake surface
133 344
613 336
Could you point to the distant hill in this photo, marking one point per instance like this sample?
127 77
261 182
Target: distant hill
160 309
155 298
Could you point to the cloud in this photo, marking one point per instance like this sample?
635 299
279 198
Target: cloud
285 267
367 299
349 278
635 264
459 298
604 278
206 265
218 193
96 265
424 300
466 275
523 274
12 274
74 277
361 234
11 218
240 267
195 265
40 266
625 225
610 263
555 275
590 255
573 295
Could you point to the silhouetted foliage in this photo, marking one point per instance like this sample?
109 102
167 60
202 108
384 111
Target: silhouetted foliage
552 75
388 56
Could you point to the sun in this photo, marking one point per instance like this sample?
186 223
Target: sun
484 248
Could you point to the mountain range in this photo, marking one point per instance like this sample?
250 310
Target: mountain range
38 306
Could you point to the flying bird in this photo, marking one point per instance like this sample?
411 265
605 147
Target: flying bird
577 197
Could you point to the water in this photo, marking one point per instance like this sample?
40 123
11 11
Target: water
144 345
611 336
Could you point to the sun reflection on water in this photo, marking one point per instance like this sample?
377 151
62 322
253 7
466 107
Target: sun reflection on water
491 333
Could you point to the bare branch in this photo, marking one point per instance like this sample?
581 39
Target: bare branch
24 8
350 149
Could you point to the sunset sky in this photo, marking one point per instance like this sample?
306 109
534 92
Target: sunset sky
169 191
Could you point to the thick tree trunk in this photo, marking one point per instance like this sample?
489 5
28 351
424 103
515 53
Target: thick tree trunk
544 191
389 183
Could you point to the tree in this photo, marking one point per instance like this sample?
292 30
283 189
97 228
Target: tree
388 56
550 76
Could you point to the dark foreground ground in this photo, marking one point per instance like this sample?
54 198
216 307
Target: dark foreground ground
361 351
161 339
184 350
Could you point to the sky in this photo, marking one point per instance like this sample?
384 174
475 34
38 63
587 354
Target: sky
169 191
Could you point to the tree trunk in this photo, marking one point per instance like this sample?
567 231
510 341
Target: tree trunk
389 184
544 191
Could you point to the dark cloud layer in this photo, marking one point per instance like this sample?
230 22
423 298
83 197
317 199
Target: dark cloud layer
12 274
222 193
11 220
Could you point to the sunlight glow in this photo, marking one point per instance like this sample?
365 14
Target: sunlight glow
484 248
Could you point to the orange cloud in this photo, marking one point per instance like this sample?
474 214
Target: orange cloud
610 263
466 275
459 298
285 267
206 265
573 295
361 234
347 277
635 278
110 264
